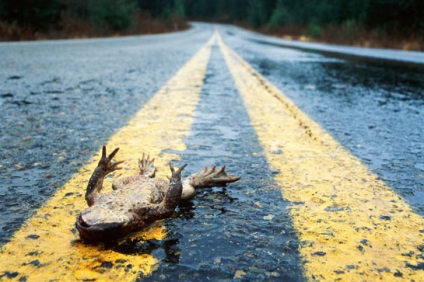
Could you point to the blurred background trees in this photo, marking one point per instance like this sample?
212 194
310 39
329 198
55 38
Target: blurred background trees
404 15
360 22
88 17
30 13
313 18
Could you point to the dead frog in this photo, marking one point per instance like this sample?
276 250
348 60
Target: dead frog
137 201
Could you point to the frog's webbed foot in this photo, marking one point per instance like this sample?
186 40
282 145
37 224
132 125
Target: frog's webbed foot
210 177
147 167
104 167
106 164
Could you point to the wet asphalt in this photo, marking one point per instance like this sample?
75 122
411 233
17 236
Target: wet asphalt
244 228
374 108
60 101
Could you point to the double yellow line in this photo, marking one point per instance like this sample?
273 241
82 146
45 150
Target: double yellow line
47 246
350 225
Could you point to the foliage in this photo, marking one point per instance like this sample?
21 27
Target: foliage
104 14
402 15
405 17
279 17
314 30
112 14
162 8
35 14
256 13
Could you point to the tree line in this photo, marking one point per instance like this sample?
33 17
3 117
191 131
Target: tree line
42 15
404 16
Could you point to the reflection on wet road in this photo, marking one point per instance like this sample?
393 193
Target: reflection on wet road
47 246
375 109
241 231
62 100
330 190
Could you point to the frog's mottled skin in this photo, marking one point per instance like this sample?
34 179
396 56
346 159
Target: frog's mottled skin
137 201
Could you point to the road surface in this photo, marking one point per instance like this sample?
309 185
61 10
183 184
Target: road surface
329 149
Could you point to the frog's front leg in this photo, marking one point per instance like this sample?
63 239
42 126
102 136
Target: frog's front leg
104 167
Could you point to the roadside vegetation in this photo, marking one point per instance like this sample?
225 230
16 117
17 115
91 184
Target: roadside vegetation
47 19
370 23
395 24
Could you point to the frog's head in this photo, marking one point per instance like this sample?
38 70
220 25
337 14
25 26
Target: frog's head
102 224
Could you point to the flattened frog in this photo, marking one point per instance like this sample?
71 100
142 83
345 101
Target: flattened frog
137 201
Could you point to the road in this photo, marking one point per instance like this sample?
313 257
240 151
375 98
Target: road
329 149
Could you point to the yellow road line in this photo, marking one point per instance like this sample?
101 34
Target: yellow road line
45 249
351 226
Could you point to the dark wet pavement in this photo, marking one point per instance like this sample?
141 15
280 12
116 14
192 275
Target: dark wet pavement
61 100
243 230
374 108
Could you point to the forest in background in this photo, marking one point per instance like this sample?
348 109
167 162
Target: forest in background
47 19
382 23
377 23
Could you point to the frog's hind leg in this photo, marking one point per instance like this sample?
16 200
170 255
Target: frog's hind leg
208 177
147 167
173 192
211 177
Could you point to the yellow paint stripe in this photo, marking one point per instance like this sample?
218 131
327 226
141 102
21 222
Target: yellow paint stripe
45 249
351 226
